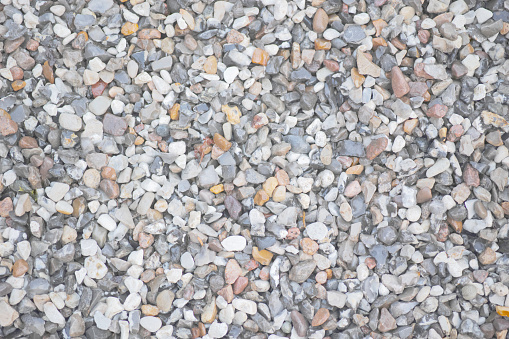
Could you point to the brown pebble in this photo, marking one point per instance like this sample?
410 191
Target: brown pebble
7 126
399 83
5 207
19 268
376 147
47 71
110 188
18 85
17 73
28 142
32 45
108 173
320 317
320 20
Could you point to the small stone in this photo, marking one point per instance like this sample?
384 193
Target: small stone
309 246
260 57
469 292
233 114
302 271
5 207
366 67
320 317
7 126
299 323
399 84
234 243
210 66
320 21
376 147
471 176
129 28
261 197
264 257
437 111
19 268
488 256
232 271
387 322
7 314
114 125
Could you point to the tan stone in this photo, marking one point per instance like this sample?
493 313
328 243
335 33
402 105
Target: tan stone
269 185
264 257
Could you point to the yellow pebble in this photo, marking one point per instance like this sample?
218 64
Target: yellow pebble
269 185
174 112
232 114
129 28
139 141
357 169
263 257
217 189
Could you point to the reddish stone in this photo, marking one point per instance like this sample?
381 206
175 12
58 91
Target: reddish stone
309 246
28 142
437 111
7 126
108 173
455 132
471 176
251 265
226 293
320 317
370 262
240 284
232 271
480 275
5 207
98 88
398 44
376 147
17 73
399 84
47 164
265 273
149 33
110 188
293 233
423 36
331 65
32 45
47 71
417 89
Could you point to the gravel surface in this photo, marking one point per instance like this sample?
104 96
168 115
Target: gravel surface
254 169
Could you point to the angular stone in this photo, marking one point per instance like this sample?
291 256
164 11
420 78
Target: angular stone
376 147
399 85
320 317
366 67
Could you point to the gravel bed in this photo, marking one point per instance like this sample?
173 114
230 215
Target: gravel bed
260 169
